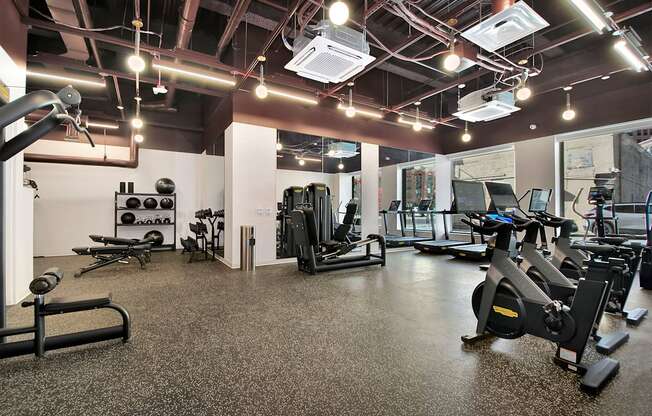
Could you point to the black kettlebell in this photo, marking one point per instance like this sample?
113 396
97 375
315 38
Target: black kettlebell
166 221
128 218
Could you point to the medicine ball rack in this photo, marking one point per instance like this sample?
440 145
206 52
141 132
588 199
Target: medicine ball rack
119 210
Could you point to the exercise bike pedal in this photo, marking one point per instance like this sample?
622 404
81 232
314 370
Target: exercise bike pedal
635 316
472 339
611 342
598 374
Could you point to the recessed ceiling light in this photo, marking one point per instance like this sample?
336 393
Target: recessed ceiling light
568 88
605 77
523 62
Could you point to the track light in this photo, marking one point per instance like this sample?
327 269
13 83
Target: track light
412 123
452 60
593 13
75 81
137 123
192 72
138 138
261 89
291 96
358 111
569 113
466 137
102 125
625 50
338 12
605 77
136 63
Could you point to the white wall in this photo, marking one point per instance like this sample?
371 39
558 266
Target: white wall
76 200
250 190
369 194
535 167
18 266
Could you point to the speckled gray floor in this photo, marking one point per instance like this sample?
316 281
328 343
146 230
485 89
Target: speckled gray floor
209 341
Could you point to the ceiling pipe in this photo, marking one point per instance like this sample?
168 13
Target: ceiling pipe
64 11
85 12
186 24
234 21
629 14
131 163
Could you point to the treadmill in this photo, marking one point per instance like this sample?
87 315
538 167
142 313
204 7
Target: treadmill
470 200
404 240
440 246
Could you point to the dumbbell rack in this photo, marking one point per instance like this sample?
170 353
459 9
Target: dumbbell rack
119 210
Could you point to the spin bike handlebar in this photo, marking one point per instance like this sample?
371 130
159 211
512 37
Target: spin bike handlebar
488 227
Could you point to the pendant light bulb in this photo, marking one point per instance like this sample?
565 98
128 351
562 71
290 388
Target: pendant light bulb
341 165
466 137
136 63
568 114
338 12
417 126
523 93
452 60
279 146
137 123
350 110
302 162
261 89
139 138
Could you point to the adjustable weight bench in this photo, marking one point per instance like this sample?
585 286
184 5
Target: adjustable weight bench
313 257
114 250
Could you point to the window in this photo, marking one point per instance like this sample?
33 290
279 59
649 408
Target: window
625 154
418 182
488 167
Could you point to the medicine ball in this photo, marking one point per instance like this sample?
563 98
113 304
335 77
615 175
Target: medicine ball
128 218
133 202
156 236
150 203
167 203
165 186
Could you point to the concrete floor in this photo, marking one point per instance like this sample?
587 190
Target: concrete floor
209 340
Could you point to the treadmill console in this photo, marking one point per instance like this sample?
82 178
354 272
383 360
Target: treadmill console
502 196
539 199
394 206
424 205
469 197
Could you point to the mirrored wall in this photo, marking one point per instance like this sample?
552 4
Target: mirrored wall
320 171
406 192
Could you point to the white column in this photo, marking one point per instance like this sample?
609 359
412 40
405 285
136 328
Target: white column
369 195
18 201
443 192
389 181
249 190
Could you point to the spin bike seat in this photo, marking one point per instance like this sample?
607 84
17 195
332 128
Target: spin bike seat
614 241
599 249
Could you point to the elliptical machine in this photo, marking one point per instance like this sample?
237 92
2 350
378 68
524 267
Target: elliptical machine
508 304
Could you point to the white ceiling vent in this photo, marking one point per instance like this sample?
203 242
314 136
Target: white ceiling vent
506 27
342 150
485 105
334 55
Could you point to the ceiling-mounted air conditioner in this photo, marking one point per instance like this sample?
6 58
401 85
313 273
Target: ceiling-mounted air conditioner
486 105
342 150
506 27
334 54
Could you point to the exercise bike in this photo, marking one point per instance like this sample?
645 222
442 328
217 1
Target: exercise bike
537 267
508 304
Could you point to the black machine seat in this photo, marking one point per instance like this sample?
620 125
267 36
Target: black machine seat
72 304
598 249
611 240
311 257
115 240
108 250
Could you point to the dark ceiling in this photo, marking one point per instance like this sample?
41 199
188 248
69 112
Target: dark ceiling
389 83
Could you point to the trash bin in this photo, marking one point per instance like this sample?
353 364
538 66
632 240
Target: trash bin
247 248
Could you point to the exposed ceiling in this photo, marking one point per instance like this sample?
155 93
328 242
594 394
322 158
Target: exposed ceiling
227 35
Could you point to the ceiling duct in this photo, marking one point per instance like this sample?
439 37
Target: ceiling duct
334 54
506 27
63 11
